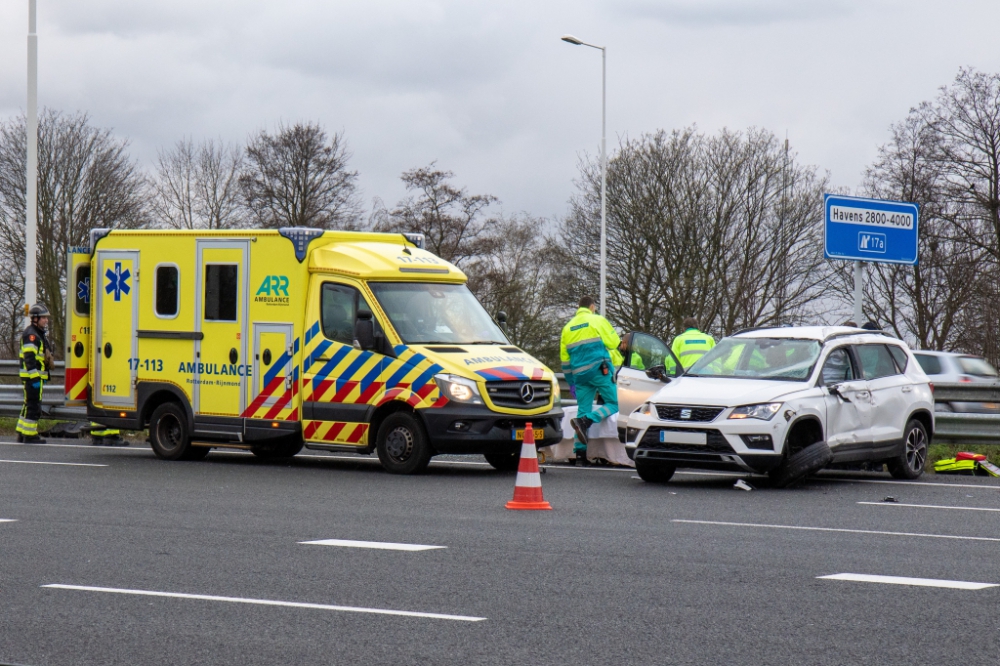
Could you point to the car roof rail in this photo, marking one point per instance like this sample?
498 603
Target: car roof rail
860 331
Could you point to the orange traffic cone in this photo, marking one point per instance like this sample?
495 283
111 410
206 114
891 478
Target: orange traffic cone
528 486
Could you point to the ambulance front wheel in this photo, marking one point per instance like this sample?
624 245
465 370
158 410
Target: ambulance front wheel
402 444
168 432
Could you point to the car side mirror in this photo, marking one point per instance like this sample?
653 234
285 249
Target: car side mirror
834 389
659 373
364 330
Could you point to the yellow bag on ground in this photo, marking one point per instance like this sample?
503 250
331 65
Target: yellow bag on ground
953 466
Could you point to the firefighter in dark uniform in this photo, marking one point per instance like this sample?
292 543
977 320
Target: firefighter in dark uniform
36 359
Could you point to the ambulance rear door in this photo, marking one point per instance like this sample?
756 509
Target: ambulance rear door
222 366
77 351
115 342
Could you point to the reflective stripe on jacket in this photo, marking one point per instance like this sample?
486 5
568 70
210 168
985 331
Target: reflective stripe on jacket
691 345
32 354
587 340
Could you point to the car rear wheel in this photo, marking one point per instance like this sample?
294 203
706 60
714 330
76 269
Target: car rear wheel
910 463
402 446
653 472
168 432
801 464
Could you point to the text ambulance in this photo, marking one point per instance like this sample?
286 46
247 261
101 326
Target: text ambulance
268 340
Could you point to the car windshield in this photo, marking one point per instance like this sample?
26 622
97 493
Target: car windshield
784 359
426 313
973 365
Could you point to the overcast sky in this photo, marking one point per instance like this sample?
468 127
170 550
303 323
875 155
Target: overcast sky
487 88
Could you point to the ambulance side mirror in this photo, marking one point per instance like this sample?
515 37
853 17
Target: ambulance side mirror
364 330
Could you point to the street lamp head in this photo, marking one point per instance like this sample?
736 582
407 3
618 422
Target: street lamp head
572 40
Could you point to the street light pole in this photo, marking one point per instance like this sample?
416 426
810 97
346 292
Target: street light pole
604 166
31 194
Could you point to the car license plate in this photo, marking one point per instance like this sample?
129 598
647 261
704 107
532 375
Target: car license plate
518 434
674 437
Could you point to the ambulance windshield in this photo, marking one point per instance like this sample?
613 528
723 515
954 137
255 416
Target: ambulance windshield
427 313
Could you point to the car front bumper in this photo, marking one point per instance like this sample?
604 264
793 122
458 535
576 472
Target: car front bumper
458 428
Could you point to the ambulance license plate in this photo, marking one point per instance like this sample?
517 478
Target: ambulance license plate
674 437
518 434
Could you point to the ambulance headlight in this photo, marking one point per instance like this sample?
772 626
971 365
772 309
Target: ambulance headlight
458 389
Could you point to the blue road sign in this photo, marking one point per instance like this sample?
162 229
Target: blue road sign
870 230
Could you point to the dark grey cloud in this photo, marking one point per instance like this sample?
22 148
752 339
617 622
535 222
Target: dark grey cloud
486 88
715 13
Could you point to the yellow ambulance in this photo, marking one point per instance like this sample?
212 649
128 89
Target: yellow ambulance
271 340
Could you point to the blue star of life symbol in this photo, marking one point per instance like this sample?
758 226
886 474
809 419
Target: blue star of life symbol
83 290
117 281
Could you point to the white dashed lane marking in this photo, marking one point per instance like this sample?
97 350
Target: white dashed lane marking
833 529
901 580
42 462
378 545
930 506
265 602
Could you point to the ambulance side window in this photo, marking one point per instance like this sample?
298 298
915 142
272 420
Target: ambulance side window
339 305
221 290
82 301
167 291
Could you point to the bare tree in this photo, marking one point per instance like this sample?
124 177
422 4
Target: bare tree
452 220
86 180
197 187
965 119
924 303
513 274
698 226
298 177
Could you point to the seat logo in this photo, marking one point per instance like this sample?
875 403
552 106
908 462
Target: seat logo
685 413
527 393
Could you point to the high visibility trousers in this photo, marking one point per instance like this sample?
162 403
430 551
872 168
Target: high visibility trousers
27 424
587 388
102 431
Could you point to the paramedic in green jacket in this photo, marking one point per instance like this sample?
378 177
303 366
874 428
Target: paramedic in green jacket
589 352
692 344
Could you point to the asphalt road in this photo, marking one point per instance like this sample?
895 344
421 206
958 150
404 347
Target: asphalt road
610 576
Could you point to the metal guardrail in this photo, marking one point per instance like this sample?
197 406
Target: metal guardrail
966 413
12 394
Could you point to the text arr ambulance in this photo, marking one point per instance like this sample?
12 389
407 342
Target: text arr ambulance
268 340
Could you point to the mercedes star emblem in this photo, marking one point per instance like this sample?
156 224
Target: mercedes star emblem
527 393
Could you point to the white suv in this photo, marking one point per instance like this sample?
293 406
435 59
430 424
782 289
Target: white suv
786 401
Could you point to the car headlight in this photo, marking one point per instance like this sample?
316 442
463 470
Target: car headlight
764 411
459 389
645 409
556 391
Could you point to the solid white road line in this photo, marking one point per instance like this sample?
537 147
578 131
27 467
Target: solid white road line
834 529
379 545
930 506
41 462
266 602
896 482
8 520
902 580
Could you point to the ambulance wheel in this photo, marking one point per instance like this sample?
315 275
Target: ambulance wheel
910 463
507 461
168 432
402 444
652 472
